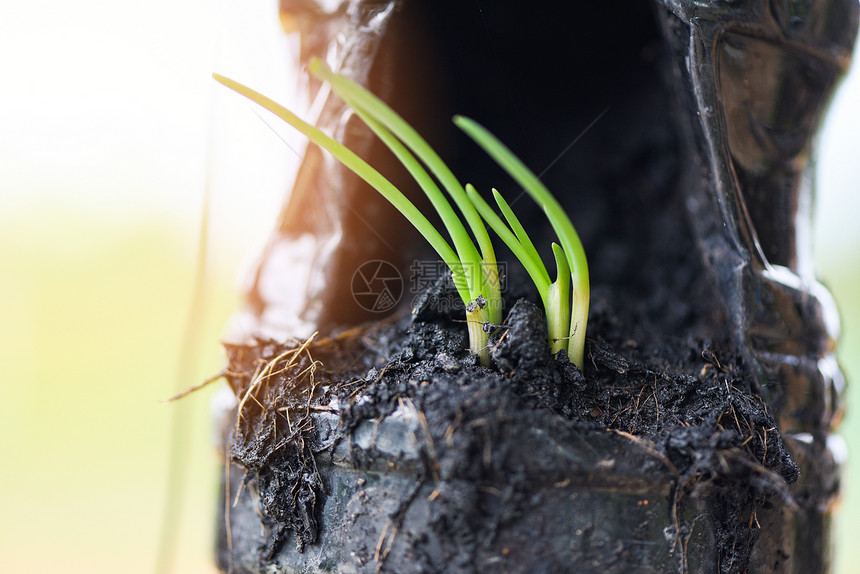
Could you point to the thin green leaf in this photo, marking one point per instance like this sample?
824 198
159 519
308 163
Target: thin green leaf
562 225
534 267
360 168
469 257
363 100
517 228
559 297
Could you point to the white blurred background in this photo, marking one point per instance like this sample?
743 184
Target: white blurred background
106 131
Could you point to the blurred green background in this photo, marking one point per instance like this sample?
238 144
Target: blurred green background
105 131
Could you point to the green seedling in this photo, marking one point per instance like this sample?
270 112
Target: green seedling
556 295
571 245
475 274
474 269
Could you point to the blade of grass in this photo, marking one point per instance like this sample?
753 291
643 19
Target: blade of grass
574 252
476 308
363 100
533 265
520 232
468 254
559 302
363 170
555 296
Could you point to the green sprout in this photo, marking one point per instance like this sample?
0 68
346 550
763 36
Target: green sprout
474 269
556 297
475 275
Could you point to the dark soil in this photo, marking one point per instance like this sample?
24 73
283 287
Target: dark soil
685 404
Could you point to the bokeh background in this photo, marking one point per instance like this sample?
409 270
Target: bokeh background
110 131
